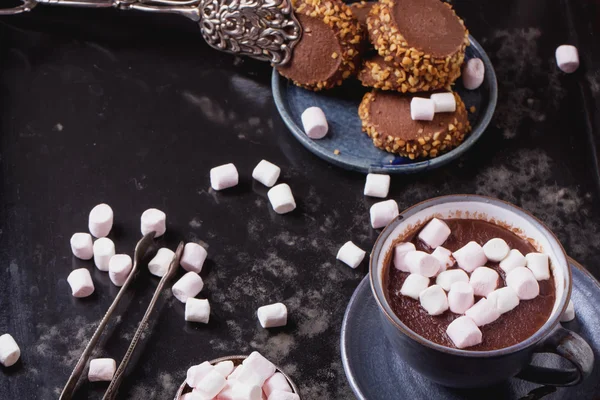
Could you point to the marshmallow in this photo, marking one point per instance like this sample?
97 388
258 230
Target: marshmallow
260 365
446 278
266 173
444 256
224 177
567 58
400 252
522 281
419 262
153 220
514 259
314 123
193 257
277 382
227 392
350 254
470 256
483 312
82 246
102 370
422 109
9 350
464 332
473 73
460 297
496 249
104 249
434 300
281 198
197 310
242 391
272 315
211 384
504 299
188 286
568 315
281 395
197 372
236 371
538 264
413 285
435 233
444 102
101 220
119 268
159 265
249 377
383 213
484 281
225 368
377 185
81 282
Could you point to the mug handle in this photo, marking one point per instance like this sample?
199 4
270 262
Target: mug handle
571 347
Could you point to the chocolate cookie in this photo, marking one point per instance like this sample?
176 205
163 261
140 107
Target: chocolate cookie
386 119
361 12
329 50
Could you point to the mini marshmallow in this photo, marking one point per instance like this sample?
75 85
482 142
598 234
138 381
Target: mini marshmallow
81 282
568 315
470 256
193 257
224 176
496 249
504 299
236 371
434 300
514 259
277 382
314 123
9 350
377 185
250 377
272 315
104 249
281 198
400 252
188 286
197 372
211 384
567 58
260 365
350 254
383 212
419 262
422 109
241 391
281 395
483 312
460 297
153 220
119 268
444 256
82 246
225 368
444 102
446 278
227 392
102 370
435 233
538 264
473 73
101 220
197 310
484 281
159 265
266 173
464 332
523 282
413 285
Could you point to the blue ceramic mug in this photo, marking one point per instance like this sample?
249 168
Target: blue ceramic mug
464 368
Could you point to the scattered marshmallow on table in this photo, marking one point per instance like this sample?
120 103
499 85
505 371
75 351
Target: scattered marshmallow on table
266 173
193 257
496 249
484 281
383 212
104 249
446 278
101 220
569 314
81 282
470 256
211 384
350 254
225 368
314 123
504 299
413 285
422 109
483 312
102 370
377 185
260 365
281 198
434 300
159 265
82 246
523 282
514 259
419 262
281 395
444 256
400 252
197 310
444 102
153 220
473 73
567 58
277 382
224 177
538 264
188 286
272 315
460 297
9 350
119 268
464 332
435 233
197 372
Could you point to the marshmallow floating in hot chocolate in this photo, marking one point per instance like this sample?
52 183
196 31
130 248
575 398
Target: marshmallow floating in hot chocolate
434 300
419 262
413 285
470 256
522 281
446 278
464 332
504 299
444 256
483 312
484 280
435 233
538 264
515 259
496 249
400 252
460 297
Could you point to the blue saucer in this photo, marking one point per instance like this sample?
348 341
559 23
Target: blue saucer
357 151
376 373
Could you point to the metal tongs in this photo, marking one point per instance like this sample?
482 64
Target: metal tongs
140 250
264 29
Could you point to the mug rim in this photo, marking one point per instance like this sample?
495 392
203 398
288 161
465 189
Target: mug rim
547 327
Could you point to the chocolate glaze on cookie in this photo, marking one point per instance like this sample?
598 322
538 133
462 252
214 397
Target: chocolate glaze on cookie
361 11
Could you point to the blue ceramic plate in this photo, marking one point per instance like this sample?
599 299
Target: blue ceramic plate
357 151
375 373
